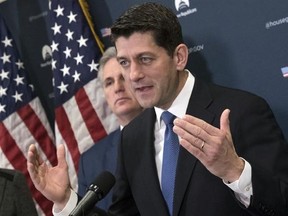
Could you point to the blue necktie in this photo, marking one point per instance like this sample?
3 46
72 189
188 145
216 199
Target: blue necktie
170 156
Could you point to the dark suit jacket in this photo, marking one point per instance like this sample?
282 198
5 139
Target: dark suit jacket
256 136
100 157
15 197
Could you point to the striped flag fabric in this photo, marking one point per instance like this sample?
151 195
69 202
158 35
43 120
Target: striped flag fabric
22 117
82 116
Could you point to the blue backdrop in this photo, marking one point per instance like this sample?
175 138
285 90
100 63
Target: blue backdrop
240 44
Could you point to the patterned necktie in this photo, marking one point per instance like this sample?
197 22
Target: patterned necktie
170 156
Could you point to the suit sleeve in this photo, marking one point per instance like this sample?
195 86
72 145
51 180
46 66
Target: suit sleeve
258 139
82 183
24 202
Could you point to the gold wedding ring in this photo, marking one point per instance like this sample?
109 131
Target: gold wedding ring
203 144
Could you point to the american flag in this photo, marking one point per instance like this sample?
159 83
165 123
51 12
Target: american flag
284 71
22 118
82 116
105 32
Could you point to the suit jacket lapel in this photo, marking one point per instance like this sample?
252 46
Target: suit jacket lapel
112 150
150 176
198 104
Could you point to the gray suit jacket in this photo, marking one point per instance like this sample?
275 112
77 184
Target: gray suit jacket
15 197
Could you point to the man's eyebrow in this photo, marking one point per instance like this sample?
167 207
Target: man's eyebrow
120 57
108 78
137 56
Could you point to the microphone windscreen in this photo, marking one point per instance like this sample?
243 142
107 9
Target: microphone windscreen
104 182
97 190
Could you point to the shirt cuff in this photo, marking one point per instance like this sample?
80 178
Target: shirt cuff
71 204
243 186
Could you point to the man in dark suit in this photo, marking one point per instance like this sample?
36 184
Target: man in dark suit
103 155
15 197
232 158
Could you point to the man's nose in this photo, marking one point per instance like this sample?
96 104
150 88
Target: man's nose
135 72
119 86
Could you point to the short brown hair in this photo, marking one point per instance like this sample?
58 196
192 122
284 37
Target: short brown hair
150 17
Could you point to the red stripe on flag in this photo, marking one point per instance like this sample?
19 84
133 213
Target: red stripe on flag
67 133
39 132
11 149
91 119
18 161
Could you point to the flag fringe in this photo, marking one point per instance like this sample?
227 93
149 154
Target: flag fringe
85 9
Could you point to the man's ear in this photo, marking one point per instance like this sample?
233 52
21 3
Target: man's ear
181 56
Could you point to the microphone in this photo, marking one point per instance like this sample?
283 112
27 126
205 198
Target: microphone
98 189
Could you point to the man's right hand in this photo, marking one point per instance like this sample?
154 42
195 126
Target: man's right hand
52 182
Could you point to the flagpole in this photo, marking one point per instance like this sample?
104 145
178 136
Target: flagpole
84 7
